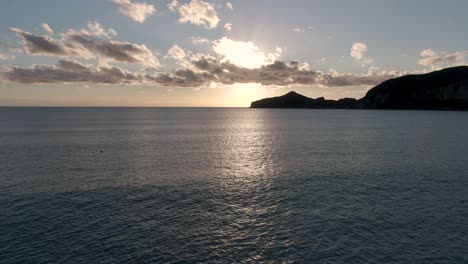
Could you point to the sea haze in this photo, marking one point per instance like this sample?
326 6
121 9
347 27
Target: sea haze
144 185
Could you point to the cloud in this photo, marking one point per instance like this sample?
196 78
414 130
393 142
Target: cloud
239 62
199 40
428 53
430 61
47 28
298 30
280 73
39 45
3 57
115 50
437 60
137 11
176 52
229 5
112 32
245 54
358 51
8 46
205 71
228 26
197 12
68 71
88 43
95 29
182 78
7 56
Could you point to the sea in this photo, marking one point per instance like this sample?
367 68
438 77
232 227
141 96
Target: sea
232 185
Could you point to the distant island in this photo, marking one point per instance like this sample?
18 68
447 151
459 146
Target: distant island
446 89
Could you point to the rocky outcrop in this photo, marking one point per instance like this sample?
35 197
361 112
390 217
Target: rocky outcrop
295 100
444 89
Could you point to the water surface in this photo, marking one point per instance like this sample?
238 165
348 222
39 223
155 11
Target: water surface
145 185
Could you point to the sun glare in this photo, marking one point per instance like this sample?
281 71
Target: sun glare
244 93
245 54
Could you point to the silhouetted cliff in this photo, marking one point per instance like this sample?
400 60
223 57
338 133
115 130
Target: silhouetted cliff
444 89
295 100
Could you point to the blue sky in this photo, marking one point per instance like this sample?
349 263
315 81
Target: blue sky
146 53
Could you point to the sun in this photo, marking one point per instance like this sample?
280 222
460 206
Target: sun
244 93
244 54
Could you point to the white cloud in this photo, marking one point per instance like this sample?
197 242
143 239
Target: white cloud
199 40
47 28
428 53
197 12
358 51
245 54
298 30
456 57
96 29
112 32
176 53
434 62
229 5
137 11
437 60
3 57
228 26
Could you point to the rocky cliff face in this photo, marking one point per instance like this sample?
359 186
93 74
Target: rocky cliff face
444 89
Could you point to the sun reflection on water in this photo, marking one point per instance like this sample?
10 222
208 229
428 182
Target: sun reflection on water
245 151
246 177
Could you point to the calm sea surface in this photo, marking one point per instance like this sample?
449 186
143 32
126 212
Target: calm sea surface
175 185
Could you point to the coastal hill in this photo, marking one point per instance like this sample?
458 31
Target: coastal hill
446 89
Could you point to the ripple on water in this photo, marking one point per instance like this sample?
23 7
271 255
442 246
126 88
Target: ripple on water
232 185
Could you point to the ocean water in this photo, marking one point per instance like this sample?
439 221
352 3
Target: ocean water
220 185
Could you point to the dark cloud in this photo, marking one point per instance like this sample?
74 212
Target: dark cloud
116 50
86 44
67 71
281 73
44 45
204 71
182 78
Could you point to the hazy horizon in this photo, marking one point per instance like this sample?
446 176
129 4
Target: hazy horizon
218 54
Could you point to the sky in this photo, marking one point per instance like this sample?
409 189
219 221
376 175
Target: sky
218 53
